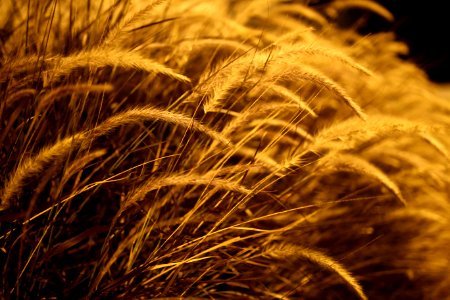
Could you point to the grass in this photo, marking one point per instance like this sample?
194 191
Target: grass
217 150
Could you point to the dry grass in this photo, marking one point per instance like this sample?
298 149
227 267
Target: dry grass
217 150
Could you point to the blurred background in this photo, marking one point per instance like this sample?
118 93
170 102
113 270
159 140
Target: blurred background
423 25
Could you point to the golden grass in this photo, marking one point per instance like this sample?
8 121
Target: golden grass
102 57
217 150
371 6
322 260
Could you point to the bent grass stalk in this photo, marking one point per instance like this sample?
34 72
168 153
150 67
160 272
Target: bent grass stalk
58 152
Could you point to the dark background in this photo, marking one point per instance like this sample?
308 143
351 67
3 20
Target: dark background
423 25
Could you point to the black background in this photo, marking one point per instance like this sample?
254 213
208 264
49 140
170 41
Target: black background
423 25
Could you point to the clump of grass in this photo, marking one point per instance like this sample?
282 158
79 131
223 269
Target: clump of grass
225 149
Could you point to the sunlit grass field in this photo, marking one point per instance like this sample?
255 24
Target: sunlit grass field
217 149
